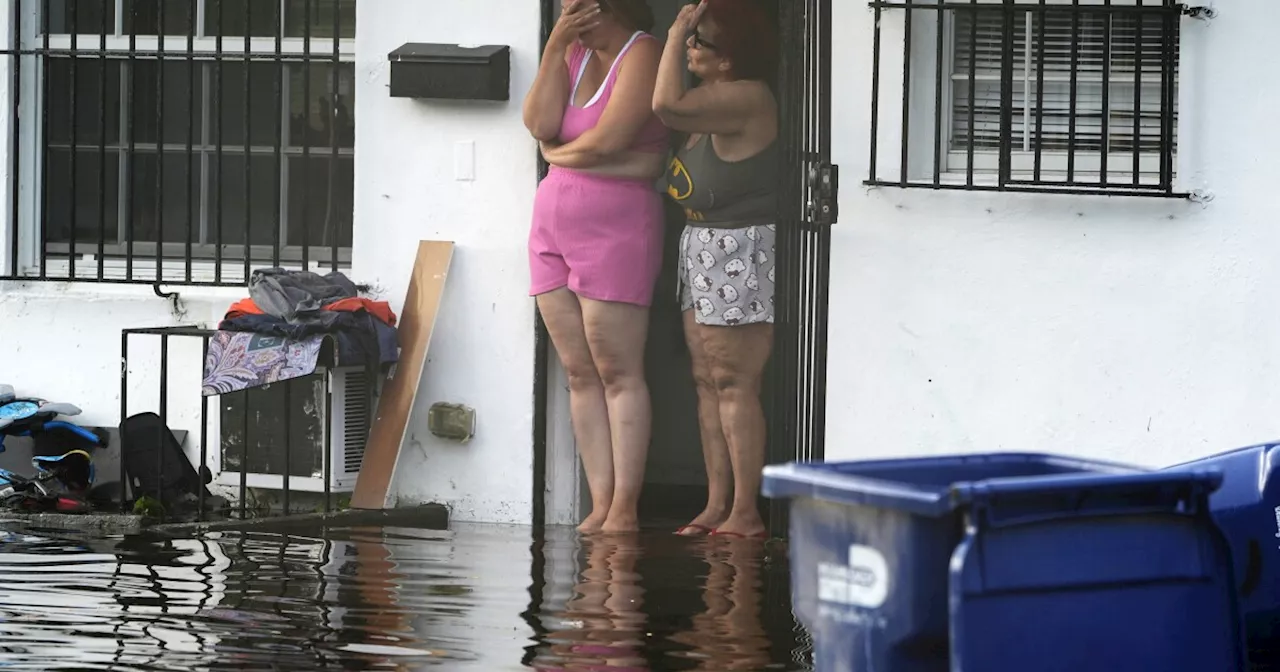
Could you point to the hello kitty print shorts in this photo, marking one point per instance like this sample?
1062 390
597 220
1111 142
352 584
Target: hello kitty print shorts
726 275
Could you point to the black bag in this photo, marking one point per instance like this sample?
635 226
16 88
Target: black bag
146 443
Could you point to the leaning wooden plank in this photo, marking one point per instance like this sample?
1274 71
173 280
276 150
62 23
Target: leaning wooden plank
417 320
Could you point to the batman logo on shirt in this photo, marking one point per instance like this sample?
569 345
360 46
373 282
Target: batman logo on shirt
679 184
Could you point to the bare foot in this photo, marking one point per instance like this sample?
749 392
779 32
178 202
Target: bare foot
706 521
750 526
592 523
620 524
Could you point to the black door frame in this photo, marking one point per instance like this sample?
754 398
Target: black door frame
796 411
807 209
541 339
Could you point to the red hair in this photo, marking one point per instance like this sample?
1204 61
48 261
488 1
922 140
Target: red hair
748 37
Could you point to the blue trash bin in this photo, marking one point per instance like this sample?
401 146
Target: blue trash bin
870 547
1094 572
1247 508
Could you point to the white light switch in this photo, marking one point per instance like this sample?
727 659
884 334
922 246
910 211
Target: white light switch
464 160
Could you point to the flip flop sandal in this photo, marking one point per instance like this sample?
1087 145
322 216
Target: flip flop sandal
735 535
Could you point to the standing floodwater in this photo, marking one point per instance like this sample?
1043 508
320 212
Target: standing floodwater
479 597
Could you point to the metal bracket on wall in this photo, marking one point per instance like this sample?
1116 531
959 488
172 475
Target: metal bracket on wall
824 184
176 307
1198 11
1201 196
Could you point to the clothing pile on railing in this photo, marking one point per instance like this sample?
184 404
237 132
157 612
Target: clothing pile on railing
280 330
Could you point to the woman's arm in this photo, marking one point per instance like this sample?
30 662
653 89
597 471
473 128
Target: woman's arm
545 102
627 165
721 108
626 113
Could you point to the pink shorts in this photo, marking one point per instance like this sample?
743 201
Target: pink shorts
600 237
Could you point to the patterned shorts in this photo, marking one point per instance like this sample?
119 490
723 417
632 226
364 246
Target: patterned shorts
726 275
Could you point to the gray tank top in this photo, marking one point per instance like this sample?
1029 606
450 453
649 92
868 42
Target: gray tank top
724 194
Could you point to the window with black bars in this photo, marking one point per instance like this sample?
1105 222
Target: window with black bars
1072 96
181 141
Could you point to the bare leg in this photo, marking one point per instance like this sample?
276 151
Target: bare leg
616 333
738 356
563 315
715 449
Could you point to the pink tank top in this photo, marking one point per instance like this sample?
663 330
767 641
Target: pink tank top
578 120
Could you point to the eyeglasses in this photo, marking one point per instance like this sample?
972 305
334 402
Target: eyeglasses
700 43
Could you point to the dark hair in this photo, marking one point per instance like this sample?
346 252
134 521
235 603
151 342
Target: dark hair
634 14
748 37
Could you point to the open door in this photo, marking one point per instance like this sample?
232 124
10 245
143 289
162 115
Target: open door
796 406
795 385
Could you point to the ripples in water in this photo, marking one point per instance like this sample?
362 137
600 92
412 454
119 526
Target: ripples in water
472 598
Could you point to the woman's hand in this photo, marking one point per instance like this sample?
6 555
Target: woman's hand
687 20
632 165
546 147
552 151
543 109
576 17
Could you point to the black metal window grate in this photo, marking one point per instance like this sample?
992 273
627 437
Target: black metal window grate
180 141
1054 96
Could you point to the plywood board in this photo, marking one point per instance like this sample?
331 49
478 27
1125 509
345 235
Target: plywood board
417 320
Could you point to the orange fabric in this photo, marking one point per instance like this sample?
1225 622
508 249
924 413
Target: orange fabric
243 307
379 309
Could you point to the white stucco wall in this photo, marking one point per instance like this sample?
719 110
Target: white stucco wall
482 350
1135 329
63 344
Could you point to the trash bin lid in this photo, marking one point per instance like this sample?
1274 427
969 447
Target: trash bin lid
921 485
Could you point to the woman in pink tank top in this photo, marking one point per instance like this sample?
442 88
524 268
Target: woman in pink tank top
595 246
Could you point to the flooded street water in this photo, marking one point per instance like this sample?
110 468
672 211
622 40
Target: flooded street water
475 597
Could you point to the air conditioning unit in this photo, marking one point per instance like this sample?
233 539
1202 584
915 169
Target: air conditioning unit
352 401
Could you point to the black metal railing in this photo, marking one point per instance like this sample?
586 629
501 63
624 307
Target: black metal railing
1050 96
179 141
235 455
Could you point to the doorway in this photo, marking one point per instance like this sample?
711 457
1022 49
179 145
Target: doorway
794 385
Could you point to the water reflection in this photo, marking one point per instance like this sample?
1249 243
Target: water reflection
602 627
394 598
660 603
730 634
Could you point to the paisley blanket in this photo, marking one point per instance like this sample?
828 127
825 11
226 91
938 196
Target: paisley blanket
240 360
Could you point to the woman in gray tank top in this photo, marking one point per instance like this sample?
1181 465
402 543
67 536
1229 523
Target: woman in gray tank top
725 176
